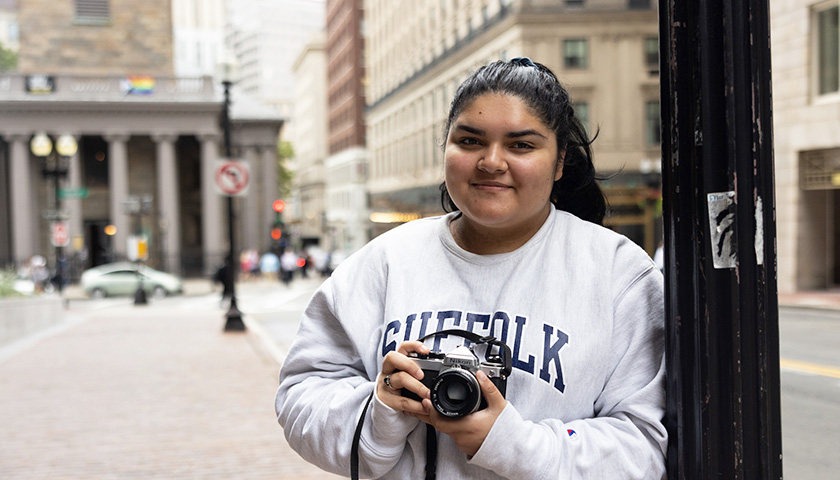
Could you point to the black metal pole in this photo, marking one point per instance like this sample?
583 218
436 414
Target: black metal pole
723 407
233 317
59 270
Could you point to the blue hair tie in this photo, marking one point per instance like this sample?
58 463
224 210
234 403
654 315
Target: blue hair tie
523 62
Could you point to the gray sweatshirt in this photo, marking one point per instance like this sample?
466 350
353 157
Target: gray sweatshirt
581 308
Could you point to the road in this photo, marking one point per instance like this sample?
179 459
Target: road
810 352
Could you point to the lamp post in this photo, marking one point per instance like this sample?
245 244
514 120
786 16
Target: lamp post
233 317
54 166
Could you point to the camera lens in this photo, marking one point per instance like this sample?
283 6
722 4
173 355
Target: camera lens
456 393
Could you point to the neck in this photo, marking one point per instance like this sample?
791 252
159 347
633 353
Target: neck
483 240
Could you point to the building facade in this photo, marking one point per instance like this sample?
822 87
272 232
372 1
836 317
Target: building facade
806 122
143 135
419 52
346 168
266 37
308 132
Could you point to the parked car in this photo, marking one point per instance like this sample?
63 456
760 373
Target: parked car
121 278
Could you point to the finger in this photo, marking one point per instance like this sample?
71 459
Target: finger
412 346
494 398
398 362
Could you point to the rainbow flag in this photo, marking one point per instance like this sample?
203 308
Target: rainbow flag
138 85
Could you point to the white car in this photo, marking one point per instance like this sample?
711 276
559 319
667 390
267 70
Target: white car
122 278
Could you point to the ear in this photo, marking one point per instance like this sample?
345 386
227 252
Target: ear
561 160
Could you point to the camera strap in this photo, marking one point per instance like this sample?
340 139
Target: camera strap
431 433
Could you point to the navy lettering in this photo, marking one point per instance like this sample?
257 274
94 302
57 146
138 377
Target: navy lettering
517 342
505 319
551 353
472 319
408 321
424 320
391 346
442 317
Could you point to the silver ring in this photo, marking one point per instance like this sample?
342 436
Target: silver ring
388 382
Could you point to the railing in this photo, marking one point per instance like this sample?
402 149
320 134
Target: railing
133 88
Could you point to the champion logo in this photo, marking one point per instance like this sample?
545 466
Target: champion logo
572 434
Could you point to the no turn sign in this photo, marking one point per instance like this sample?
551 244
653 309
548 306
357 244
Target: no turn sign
232 178
60 234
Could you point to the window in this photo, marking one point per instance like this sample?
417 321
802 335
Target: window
653 133
582 114
93 11
828 53
638 4
575 53
652 54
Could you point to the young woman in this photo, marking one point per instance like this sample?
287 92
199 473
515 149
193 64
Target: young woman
521 257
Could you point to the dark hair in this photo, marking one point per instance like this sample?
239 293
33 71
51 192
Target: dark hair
577 191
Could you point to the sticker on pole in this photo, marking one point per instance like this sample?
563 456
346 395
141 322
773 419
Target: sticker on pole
722 229
232 178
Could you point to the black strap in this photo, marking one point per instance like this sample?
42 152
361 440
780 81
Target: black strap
431 447
354 452
431 452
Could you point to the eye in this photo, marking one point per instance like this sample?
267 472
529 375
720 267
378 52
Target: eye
468 141
522 146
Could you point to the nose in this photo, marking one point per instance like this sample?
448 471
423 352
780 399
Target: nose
493 160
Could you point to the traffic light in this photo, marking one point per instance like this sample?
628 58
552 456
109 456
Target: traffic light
278 206
276 233
277 229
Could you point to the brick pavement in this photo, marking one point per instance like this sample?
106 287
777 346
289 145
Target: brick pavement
157 391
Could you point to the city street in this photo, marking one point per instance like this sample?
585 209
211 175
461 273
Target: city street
159 391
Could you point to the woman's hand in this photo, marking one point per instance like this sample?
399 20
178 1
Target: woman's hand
470 431
403 373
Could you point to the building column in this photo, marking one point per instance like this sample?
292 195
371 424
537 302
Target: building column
118 187
74 205
168 202
268 172
23 212
250 220
211 206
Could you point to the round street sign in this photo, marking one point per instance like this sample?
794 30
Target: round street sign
232 178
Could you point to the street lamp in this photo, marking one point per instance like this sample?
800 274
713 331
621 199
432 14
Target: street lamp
233 317
55 167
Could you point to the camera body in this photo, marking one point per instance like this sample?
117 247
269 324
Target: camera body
450 377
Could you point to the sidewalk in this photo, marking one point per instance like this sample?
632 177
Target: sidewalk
148 392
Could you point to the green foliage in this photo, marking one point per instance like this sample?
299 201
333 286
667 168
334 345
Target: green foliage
8 59
285 151
7 283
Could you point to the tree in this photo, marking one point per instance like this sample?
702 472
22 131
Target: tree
8 59
285 151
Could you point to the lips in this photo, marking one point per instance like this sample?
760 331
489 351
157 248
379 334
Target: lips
491 186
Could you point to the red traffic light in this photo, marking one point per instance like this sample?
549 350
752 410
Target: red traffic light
276 233
278 205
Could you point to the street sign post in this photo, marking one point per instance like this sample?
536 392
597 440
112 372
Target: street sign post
73 193
60 235
232 178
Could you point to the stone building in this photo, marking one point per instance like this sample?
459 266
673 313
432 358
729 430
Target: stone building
418 52
346 168
806 124
101 71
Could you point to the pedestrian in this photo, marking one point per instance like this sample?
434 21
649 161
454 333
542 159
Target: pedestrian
288 265
223 276
522 257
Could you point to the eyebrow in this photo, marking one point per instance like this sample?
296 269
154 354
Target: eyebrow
521 133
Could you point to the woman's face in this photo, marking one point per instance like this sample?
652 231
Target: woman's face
501 163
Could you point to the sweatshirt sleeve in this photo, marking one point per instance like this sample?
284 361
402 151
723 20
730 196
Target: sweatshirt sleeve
324 384
626 439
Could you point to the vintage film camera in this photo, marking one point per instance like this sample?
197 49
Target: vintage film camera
450 377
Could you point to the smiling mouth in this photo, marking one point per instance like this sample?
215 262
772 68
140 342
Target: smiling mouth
490 186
